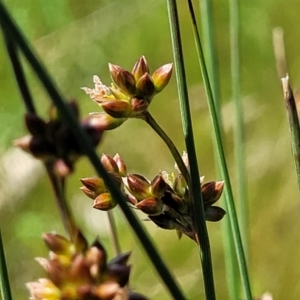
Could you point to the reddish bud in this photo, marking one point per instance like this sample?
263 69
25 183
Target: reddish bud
123 79
161 77
158 186
117 108
104 202
121 165
140 68
138 186
94 184
150 206
145 87
109 164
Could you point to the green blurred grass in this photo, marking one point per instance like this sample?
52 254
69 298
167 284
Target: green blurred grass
76 40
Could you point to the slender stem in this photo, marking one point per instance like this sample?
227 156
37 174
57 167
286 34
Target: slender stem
113 232
293 119
212 65
68 117
19 73
176 155
4 280
210 50
197 201
65 212
223 167
239 124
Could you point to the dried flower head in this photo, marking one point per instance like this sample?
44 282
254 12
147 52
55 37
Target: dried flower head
130 93
53 141
81 272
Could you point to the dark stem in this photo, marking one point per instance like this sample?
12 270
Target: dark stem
19 73
5 286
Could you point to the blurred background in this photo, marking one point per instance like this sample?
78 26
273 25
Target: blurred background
76 40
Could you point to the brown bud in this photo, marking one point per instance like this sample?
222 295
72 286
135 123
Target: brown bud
35 124
117 108
58 244
104 202
89 193
121 165
158 186
109 164
103 121
139 186
214 213
139 105
94 184
145 87
123 79
119 273
140 68
150 206
211 191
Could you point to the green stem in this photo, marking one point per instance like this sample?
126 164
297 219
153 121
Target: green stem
239 125
65 212
210 50
176 155
113 232
4 280
293 119
197 201
68 117
223 167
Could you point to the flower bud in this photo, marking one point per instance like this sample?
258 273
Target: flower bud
89 193
119 273
145 87
139 105
211 191
138 186
161 77
214 213
94 184
103 121
180 185
121 165
150 206
58 244
104 202
109 164
117 108
140 68
123 79
35 124
158 186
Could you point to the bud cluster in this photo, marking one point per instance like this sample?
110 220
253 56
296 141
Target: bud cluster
165 199
53 142
130 93
81 272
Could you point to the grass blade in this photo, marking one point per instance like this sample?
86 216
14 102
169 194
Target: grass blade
223 165
199 217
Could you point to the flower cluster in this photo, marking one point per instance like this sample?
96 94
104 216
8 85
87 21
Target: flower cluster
165 199
130 93
77 271
53 140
